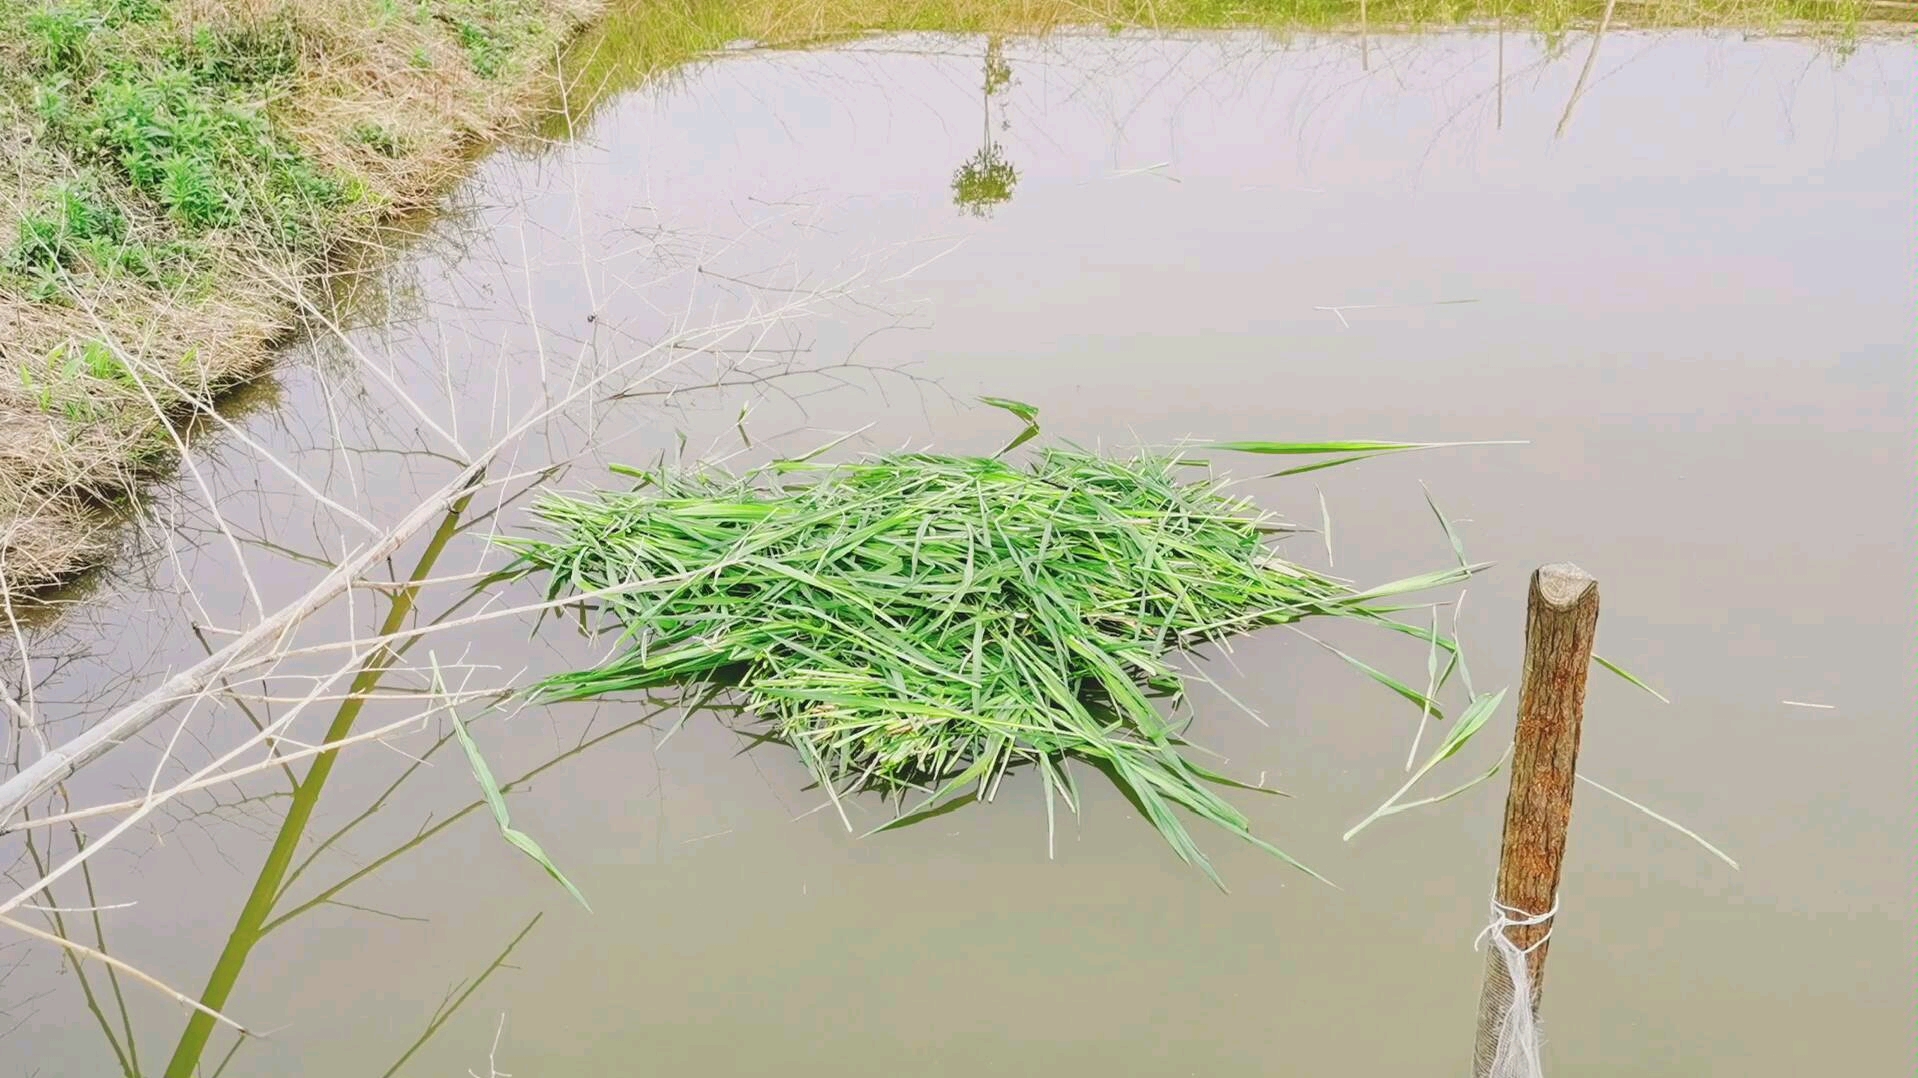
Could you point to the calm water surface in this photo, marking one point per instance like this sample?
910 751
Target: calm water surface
1686 287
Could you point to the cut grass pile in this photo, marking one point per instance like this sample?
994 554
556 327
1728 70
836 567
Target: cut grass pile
926 623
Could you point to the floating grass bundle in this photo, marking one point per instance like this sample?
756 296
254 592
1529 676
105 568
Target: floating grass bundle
922 622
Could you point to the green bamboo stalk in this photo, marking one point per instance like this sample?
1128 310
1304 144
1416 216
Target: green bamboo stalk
247 930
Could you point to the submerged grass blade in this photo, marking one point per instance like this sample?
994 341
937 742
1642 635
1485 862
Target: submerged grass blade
1463 787
1428 707
1350 452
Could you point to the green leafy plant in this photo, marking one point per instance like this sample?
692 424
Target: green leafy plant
58 387
74 227
187 129
481 46
379 138
60 35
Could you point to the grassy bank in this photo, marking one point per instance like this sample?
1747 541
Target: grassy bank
180 174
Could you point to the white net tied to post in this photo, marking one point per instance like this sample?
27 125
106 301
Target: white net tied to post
1514 1052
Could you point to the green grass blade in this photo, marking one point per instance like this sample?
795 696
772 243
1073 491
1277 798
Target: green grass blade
1458 648
1353 451
490 790
1666 820
1463 787
1425 703
1318 448
1628 676
1431 692
1451 536
532 850
1025 412
1474 716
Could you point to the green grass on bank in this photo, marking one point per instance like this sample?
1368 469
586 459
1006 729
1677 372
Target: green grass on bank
180 174
165 133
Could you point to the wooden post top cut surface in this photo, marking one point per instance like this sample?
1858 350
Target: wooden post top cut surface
1563 584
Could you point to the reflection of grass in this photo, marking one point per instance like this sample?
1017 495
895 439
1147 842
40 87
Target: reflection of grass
984 182
120 1041
641 39
998 71
329 895
452 1006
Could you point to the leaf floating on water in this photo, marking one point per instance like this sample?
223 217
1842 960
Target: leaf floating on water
1628 676
1319 448
1458 545
1475 716
1431 693
1497 766
1353 451
1667 821
495 801
1427 705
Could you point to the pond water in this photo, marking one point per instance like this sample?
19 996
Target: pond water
1677 268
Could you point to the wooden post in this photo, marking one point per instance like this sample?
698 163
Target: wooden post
1561 618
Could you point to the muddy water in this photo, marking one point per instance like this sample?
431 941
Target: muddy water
1684 286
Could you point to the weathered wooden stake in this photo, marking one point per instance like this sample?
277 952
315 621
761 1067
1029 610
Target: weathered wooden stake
1561 618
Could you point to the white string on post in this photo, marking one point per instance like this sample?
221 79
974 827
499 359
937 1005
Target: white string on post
1516 1050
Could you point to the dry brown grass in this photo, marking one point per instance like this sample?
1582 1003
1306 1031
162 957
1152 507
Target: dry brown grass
392 102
